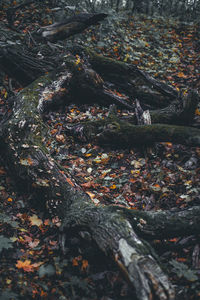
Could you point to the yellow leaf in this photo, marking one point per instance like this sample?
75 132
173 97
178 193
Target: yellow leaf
8 281
113 186
78 60
197 112
189 182
35 220
126 57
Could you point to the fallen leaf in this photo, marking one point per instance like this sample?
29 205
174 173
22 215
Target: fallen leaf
84 265
74 262
197 112
25 265
60 138
34 243
91 195
35 220
113 186
69 181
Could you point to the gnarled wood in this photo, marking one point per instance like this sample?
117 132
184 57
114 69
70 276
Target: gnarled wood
26 153
71 26
112 131
24 139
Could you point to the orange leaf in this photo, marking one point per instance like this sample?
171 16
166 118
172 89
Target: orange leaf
2 171
46 222
181 75
43 294
168 144
181 259
69 181
88 154
173 240
91 195
156 185
30 161
197 112
113 186
84 265
87 184
132 180
25 265
74 262
53 131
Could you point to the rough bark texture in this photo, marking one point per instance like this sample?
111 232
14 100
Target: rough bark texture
133 81
165 224
24 144
22 65
70 26
23 138
95 87
114 132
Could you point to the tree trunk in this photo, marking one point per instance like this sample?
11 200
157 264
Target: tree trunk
23 138
71 26
24 146
116 133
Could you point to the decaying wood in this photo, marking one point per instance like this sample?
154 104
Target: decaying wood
24 145
71 26
128 78
23 66
95 87
24 138
164 224
114 132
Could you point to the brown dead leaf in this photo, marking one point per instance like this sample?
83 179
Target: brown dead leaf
60 138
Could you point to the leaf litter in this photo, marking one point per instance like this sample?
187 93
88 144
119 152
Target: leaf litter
32 264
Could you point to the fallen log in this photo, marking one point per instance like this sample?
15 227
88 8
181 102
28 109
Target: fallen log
114 132
134 82
24 139
23 65
164 224
70 26
24 145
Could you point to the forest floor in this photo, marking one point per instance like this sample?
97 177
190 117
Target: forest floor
33 265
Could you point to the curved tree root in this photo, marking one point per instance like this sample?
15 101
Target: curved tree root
26 154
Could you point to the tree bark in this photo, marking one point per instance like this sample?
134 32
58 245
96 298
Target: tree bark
70 26
24 145
114 132
165 224
23 138
96 78
127 78
22 65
